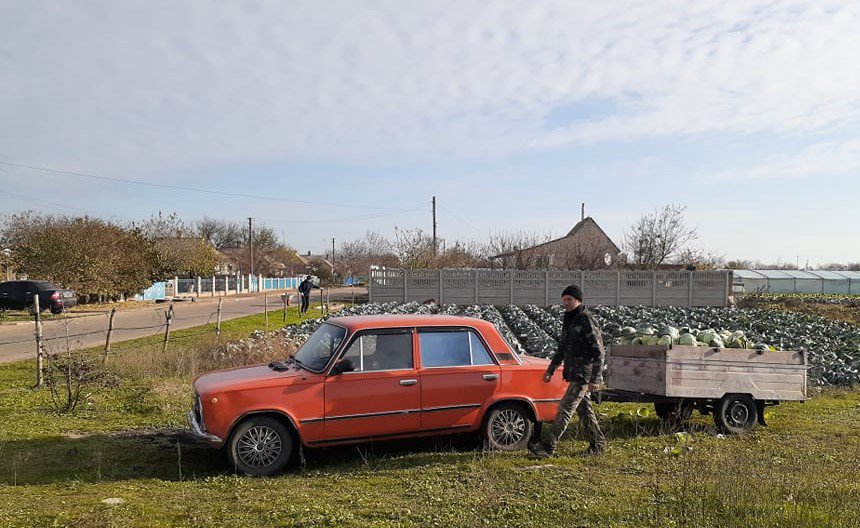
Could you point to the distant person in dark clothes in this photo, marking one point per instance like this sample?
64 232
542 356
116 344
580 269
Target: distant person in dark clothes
305 291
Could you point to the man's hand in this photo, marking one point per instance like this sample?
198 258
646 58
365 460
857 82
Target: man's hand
547 378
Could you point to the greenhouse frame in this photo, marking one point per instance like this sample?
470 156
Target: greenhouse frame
796 281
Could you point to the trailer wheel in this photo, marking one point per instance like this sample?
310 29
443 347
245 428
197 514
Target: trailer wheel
674 413
735 414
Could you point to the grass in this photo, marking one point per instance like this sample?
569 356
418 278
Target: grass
129 443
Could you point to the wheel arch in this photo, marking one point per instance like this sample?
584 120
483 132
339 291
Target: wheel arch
276 414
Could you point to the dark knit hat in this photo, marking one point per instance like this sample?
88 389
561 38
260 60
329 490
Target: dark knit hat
574 291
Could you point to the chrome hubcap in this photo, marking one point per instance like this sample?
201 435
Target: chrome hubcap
508 427
259 446
739 414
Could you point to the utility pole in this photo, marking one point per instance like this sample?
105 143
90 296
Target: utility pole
332 256
434 227
251 244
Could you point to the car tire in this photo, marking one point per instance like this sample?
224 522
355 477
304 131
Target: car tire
735 414
57 310
260 446
508 427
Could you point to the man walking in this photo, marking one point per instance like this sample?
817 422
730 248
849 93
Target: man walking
581 349
305 291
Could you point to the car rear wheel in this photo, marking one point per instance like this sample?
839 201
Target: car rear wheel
260 446
508 427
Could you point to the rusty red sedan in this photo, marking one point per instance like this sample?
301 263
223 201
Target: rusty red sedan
365 378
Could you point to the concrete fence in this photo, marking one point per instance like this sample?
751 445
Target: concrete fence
216 285
613 288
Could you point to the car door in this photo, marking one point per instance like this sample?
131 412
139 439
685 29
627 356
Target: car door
22 295
381 396
458 376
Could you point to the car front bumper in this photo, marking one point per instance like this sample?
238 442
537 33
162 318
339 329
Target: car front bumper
200 433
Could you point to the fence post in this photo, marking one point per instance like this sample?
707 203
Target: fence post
618 288
546 288
260 283
654 288
477 286
266 309
218 319
512 286
213 285
199 285
284 300
405 287
176 286
439 302
109 334
728 288
168 320
690 290
40 376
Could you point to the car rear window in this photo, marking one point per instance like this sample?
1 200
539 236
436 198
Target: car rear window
452 348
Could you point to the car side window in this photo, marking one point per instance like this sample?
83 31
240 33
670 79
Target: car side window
452 348
5 288
381 351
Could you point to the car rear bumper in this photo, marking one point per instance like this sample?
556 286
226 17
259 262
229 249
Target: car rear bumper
200 433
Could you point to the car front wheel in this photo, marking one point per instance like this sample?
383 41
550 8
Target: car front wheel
260 446
508 427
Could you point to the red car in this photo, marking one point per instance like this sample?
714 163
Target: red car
376 377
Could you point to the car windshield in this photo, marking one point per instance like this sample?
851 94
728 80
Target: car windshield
317 350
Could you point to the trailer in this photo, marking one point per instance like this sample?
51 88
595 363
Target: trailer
733 385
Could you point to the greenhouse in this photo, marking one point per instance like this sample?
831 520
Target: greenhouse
796 281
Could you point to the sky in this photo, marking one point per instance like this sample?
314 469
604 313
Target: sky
328 119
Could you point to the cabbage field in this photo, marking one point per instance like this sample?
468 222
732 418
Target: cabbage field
832 347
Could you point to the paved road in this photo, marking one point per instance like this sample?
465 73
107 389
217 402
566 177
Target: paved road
132 324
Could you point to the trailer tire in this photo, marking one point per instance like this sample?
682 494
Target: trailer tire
735 414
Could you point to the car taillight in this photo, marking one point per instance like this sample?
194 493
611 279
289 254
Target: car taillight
55 295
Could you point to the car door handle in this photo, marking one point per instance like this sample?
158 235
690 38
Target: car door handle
491 377
409 382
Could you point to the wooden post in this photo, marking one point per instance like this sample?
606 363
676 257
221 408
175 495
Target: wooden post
218 319
199 285
109 334
321 302
168 320
284 299
266 309
40 375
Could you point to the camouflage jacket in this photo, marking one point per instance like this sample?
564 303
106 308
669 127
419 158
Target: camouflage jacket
580 347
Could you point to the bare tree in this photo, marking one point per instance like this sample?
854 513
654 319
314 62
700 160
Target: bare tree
356 256
506 249
165 226
221 233
658 237
700 259
413 247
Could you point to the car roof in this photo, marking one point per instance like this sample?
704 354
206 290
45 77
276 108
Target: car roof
363 322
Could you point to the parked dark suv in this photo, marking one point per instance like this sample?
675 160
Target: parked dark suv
18 295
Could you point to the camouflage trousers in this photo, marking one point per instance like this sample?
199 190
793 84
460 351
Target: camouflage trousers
576 398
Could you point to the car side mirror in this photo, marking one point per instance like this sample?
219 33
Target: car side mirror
344 365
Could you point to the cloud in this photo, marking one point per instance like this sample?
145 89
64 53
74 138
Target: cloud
166 85
820 159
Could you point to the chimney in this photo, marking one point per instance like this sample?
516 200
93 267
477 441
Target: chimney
583 211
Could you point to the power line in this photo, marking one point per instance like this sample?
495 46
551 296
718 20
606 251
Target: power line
452 213
190 189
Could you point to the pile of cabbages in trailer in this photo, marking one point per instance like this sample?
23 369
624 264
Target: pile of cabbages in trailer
832 348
